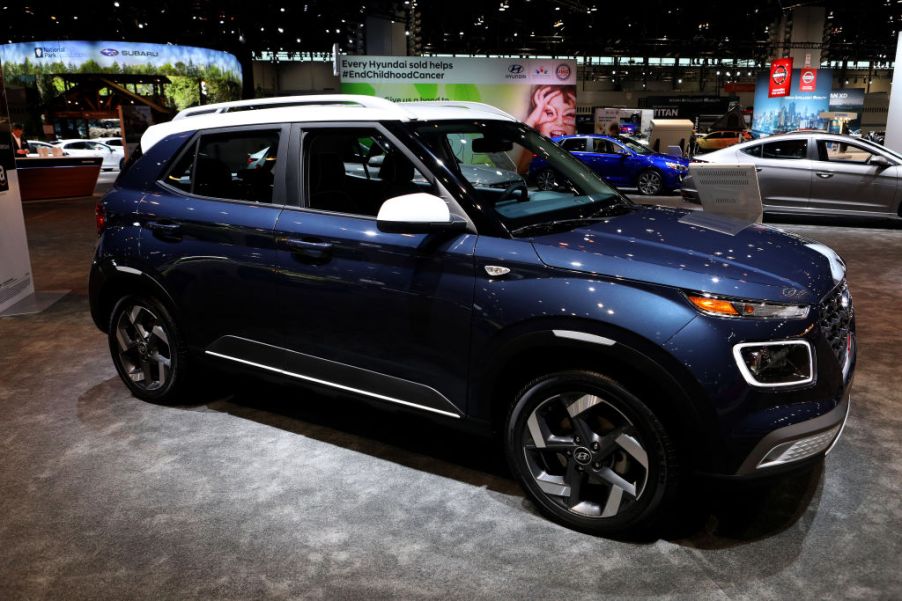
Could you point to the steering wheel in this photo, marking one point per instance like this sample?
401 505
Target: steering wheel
512 191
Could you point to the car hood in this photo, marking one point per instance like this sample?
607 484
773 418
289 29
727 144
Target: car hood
652 244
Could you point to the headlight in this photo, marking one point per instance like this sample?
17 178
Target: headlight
774 364
676 166
724 307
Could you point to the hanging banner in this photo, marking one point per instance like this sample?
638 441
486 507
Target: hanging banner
540 92
15 264
808 80
780 78
795 110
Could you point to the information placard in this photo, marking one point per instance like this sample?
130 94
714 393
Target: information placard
730 197
16 282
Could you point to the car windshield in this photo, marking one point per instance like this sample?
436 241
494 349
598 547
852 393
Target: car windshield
636 146
525 178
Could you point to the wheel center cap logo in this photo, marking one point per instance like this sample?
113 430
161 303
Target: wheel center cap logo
142 348
582 455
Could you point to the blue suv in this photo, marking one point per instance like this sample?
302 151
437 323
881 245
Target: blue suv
622 161
397 254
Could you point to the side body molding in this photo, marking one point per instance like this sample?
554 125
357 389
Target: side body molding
332 374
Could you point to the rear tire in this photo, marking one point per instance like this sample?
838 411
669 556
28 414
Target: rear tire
148 350
591 455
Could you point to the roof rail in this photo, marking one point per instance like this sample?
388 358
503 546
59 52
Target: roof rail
286 101
481 106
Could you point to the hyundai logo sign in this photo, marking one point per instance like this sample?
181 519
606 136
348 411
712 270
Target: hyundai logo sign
515 69
109 52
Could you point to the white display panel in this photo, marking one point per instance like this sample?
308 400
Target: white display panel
730 197
894 116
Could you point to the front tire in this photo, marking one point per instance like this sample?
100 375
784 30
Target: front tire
650 183
148 349
590 454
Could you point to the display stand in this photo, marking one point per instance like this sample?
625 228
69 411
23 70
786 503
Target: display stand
17 294
730 197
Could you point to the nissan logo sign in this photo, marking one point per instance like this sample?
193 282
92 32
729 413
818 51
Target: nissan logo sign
109 52
779 76
515 69
808 76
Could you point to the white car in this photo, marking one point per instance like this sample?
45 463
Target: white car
112 157
114 142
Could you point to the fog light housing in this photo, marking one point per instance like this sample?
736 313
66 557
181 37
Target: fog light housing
775 364
802 448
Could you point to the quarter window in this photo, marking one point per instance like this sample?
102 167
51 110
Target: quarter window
754 151
785 149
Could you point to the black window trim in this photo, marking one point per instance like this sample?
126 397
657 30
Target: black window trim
192 144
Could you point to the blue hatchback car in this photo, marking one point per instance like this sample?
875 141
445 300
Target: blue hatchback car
395 253
622 162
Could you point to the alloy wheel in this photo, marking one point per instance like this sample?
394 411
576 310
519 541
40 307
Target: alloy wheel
546 180
143 348
585 455
649 183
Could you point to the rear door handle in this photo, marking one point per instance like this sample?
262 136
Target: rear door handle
824 175
163 229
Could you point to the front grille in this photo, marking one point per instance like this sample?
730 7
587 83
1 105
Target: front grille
836 319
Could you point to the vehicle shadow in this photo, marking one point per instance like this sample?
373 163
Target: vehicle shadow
714 514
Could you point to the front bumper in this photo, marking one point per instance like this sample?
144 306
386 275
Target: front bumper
798 442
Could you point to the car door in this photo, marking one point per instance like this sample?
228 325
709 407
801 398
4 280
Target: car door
784 172
846 179
207 231
578 147
609 161
385 315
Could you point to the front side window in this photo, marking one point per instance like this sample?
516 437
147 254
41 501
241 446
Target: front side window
355 170
635 146
229 165
841 152
524 178
602 146
785 149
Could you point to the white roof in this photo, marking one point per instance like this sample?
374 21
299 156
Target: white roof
332 107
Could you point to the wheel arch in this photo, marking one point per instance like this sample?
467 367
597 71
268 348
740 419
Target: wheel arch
112 281
641 366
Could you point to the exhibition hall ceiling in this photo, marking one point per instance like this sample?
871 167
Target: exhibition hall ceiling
855 30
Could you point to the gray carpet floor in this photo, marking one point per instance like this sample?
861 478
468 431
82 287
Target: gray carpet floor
269 492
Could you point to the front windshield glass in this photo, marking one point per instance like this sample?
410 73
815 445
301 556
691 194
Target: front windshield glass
636 146
523 177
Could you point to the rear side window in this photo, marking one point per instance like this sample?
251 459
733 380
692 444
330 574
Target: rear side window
231 165
785 149
571 144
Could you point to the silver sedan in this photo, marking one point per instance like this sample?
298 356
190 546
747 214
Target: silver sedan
818 173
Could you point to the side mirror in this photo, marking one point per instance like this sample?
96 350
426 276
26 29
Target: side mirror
418 213
880 161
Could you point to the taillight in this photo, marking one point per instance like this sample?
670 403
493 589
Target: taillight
99 217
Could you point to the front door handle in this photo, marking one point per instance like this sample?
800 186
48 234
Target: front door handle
823 175
758 169
315 249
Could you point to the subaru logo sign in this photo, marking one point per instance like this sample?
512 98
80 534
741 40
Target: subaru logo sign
515 69
109 52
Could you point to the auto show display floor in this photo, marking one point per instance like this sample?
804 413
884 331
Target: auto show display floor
270 492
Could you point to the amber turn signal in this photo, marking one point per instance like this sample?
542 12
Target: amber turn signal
713 305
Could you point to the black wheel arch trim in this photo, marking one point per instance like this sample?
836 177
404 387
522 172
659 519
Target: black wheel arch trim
643 356
131 278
